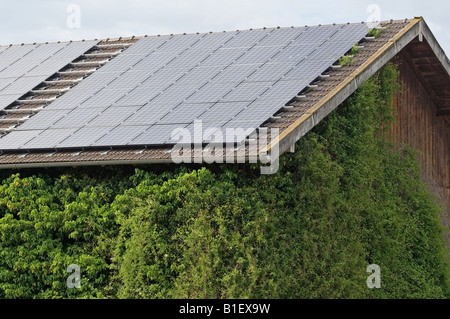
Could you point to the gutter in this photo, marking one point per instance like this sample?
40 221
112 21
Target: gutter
245 159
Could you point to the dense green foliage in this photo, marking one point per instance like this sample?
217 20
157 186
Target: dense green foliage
344 200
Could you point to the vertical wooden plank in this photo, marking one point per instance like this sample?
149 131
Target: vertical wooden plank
418 126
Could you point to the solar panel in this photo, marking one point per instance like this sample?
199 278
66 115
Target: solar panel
247 39
270 72
284 90
221 113
75 49
76 118
104 98
11 55
319 34
247 91
189 59
94 84
258 54
224 56
121 135
235 73
71 101
84 137
113 116
41 68
122 63
240 128
145 45
6 100
293 53
147 115
174 94
5 82
234 80
307 70
29 65
156 134
20 85
42 120
139 96
163 78
155 61
258 111
129 79
198 76
180 43
48 138
349 32
184 113
44 51
210 93
204 133
213 41
16 139
19 68
282 37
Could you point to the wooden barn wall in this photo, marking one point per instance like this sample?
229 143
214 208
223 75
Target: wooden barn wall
418 126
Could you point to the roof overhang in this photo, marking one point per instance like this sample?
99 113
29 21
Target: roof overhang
415 34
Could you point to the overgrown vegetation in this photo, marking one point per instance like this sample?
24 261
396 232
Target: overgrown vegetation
344 200
375 32
348 58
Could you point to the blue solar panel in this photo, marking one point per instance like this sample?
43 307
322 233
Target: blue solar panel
228 80
28 65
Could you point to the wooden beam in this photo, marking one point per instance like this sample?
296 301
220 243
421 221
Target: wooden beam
443 111
408 59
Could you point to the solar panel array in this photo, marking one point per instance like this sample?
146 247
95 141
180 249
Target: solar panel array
23 67
227 80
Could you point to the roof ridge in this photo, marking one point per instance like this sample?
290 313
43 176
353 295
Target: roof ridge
204 33
49 42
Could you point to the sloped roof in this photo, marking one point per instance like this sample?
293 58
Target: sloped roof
118 101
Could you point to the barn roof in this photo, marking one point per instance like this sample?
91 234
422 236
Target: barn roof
118 101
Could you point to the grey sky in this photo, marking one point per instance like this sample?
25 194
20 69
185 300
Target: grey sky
26 21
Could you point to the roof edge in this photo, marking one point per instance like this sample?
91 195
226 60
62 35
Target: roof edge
305 123
239 159
434 44
190 33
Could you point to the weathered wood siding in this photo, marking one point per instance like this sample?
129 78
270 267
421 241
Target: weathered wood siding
419 126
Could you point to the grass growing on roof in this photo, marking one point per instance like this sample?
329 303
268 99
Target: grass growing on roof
375 32
348 58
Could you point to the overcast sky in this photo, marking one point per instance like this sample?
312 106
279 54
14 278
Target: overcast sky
27 21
